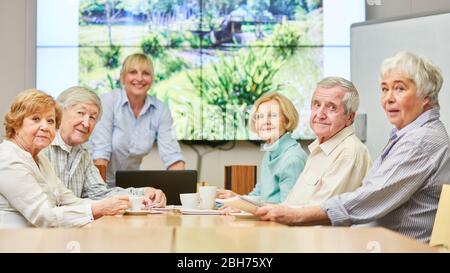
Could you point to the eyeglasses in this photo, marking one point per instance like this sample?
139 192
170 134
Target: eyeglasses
261 116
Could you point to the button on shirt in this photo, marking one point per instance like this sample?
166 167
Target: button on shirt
74 167
124 140
338 165
401 191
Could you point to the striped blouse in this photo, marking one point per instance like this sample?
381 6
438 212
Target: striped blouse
401 191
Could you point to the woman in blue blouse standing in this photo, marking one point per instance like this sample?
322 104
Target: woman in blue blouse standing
132 121
274 119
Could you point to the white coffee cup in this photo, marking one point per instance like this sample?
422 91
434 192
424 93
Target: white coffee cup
136 202
189 200
207 197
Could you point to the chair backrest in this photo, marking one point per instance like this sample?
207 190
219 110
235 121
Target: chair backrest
240 178
441 228
102 170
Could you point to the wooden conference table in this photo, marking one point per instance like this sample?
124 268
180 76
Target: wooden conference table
173 232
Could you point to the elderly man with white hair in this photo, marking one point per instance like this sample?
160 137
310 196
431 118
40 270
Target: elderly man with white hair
338 160
69 155
401 191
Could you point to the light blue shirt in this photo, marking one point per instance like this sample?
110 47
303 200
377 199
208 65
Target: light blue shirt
280 168
401 191
124 140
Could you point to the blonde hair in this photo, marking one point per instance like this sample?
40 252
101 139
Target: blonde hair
136 60
25 104
287 110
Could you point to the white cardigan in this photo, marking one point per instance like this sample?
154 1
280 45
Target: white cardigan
34 196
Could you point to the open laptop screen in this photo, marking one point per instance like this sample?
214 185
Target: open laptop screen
172 183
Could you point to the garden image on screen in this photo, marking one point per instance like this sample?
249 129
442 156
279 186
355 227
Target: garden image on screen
212 58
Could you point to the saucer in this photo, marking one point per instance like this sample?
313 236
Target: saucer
167 208
200 211
142 212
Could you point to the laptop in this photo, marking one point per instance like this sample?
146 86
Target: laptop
172 183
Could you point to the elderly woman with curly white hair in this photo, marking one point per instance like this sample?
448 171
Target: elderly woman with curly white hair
401 191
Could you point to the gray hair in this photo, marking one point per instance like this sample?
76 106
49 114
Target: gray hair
76 95
351 97
427 76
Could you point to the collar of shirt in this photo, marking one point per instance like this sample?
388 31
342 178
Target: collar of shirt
22 153
58 141
328 146
425 117
281 145
396 134
149 101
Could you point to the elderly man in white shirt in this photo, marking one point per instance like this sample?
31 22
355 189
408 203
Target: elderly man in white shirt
339 160
401 191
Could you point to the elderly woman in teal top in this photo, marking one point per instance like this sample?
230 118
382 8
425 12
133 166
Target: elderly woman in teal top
274 119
